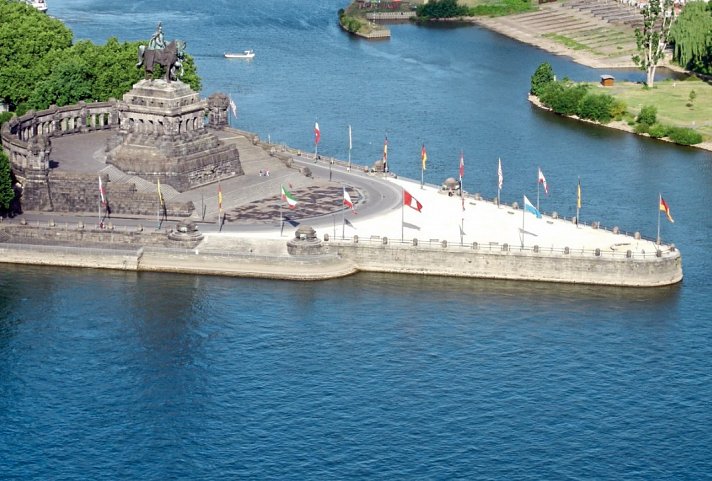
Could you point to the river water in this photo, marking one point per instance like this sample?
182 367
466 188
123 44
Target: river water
156 376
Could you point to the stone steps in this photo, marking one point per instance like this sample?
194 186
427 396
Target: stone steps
142 185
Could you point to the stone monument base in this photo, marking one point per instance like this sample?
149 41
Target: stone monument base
163 136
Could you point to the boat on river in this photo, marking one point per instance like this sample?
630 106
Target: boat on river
248 54
40 5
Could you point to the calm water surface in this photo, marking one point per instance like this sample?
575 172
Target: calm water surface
121 375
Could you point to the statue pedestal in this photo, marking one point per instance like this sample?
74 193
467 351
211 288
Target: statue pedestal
162 135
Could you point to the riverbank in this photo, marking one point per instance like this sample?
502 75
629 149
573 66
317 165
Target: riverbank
616 124
597 40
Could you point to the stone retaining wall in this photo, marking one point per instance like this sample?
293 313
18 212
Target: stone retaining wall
513 264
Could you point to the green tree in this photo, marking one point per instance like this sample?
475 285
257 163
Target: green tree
543 75
652 40
691 100
441 9
647 115
69 83
6 192
692 36
29 40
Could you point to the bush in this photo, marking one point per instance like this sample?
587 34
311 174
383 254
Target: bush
658 131
648 115
543 75
641 128
563 97
598 107
619 110
441 9
684 136
4 117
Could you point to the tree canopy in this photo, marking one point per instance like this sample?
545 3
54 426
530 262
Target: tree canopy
543 75
28 41
441 9
39 65
692 35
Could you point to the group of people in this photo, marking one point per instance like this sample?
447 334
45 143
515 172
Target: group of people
264 172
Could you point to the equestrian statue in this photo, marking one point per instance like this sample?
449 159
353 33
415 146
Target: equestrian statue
170 56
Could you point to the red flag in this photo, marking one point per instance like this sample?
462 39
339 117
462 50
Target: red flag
347 201
665 208
317 133
411 201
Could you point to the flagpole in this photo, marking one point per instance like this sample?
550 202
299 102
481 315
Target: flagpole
281 218
348 169
343 219
537 194
578 200
524 208
660 196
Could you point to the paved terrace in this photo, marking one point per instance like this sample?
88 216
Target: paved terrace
252 207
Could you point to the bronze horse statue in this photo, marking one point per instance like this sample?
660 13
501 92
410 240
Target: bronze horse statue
170 58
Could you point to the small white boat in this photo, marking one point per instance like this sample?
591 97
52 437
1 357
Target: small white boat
40 5
244 54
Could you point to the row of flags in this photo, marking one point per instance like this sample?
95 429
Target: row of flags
541 179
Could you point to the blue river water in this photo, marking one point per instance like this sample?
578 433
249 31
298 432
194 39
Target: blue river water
113 375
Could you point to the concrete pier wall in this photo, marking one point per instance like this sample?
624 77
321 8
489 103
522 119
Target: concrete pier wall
140 251
514 263
64 256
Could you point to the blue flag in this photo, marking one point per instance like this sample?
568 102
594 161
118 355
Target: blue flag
530 208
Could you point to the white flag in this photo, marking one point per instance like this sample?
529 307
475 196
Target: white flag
349 137
542 180
499 174
233 108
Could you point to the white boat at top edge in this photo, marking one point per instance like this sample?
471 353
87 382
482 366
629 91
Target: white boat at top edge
40 5
244 54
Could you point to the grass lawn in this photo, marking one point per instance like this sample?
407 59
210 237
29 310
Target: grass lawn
671 98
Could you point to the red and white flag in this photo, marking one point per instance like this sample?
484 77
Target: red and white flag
347 201
542 180
411 201
317 133
102 193
462 165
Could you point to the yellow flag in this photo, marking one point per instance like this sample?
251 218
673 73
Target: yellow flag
160 196
423 156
